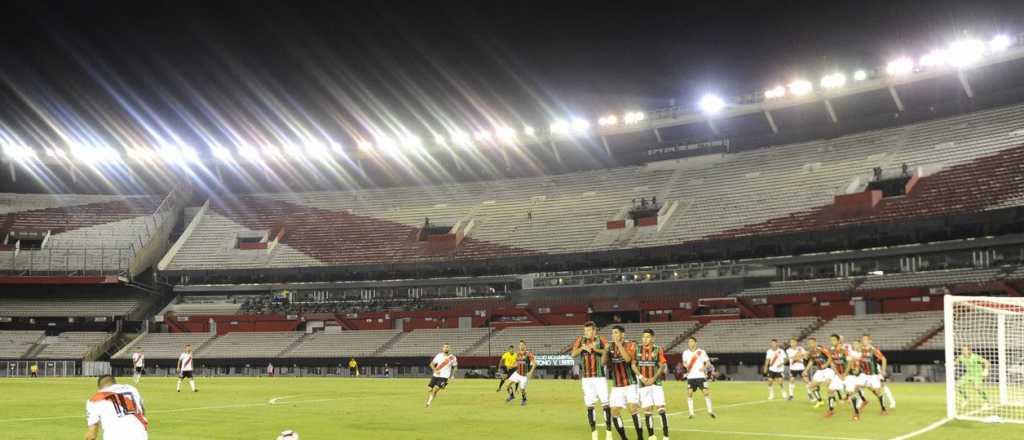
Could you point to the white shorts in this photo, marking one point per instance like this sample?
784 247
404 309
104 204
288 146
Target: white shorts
652 395
823 376
872 381
623 395
595 389
521 380
839 384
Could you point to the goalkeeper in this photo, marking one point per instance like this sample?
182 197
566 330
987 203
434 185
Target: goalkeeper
975 370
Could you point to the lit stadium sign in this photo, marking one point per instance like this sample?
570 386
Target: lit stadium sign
680 150
560 360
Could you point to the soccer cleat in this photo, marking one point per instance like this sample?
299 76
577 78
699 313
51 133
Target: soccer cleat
829 413
593 436
790 397
510 398
713 416
818 404
523 403
856 417
691 416
884 412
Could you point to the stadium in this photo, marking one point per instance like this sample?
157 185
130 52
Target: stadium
250 272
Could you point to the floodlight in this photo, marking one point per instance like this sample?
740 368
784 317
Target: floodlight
800 87
337 148
775 92
860 75
249 152
999 43
631 118
966 53
580 124
462 139
19 152
439 140
935 58
50 152
529 131
412 142
507 134
482 135
899 66
222 153
833 81
189 154
559 127
365 146
317 150
605 121
711 104
170 154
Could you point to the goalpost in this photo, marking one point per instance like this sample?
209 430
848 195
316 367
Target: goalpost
989 385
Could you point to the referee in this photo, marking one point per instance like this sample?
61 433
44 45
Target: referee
506 365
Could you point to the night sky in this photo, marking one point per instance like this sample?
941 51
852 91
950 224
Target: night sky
218 71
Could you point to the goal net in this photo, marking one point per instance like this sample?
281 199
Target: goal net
984 339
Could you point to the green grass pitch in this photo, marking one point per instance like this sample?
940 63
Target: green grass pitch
343 408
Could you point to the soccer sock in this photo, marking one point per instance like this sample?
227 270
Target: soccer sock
501 382
888 394
608 418
856 407
860 393
591 419
430 398
881 401
664 423
178 387
771 391
523 394
831 403
620 428
638 426
193 384
792 389
511 393
649 421
707 401
817 394
689 403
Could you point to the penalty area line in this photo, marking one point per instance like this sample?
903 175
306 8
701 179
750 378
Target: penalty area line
175 410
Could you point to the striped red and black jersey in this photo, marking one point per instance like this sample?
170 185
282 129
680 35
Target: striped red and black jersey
619 371
871 361
649 360
821 358
524 360
839 361
590 362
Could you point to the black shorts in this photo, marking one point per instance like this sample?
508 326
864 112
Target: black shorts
796 373
697 384
138 370
506 371
185 374
438 382
774 375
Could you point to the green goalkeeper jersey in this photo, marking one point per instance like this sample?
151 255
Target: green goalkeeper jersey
973 365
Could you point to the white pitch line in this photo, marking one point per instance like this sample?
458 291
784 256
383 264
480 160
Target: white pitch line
201 408
933 426
733 405
767 434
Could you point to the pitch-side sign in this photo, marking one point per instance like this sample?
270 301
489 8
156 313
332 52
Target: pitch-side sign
559 360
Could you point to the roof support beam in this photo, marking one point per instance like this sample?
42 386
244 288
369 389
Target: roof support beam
896 98
554 149
771 121
831 111
962 76
607 149
657 134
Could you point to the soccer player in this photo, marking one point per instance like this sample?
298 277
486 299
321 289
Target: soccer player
525 364
697 364
797 360
443 365
505 365
975 370
588 351
774 366
840 360
873 365
184 369
139 361
619 358
821 360
118 410
650 367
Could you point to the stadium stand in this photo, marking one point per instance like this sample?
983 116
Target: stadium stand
81 307
72 345
890 331
935 278
780 189
163 345
553 339
936 342
249 345
426 342
346 343
749 335
667 334
16 343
